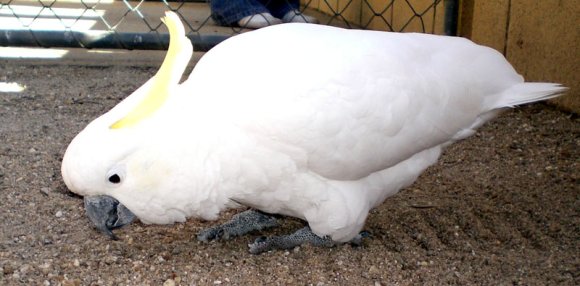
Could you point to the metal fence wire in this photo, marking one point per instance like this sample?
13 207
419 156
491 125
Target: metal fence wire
136 24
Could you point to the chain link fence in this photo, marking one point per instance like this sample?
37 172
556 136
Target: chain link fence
136 24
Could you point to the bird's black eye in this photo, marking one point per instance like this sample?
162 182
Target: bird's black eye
115 179
116 175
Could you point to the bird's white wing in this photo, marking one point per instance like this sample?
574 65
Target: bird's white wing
354 102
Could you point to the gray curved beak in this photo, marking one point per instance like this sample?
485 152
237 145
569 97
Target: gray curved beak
107 213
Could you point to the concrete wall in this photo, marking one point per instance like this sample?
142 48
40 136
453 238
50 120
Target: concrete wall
540 38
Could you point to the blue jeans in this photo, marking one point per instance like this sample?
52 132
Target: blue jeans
229 12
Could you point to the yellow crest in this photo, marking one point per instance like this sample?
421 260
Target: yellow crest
168 76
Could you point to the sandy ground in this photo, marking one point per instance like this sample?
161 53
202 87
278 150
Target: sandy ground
500 208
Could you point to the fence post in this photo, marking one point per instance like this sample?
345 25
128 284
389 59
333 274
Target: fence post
451 16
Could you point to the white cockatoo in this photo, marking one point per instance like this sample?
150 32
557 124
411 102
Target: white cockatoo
309 121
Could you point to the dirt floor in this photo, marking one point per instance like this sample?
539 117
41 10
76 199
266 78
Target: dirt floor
500 208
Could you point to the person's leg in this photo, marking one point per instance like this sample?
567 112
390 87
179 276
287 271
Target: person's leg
230 12
288 11
279 8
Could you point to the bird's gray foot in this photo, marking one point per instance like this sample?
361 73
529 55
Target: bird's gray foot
358 239
302 236
240 224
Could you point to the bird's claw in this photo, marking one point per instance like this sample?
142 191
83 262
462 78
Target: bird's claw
358 239
302 236
240 224
212 233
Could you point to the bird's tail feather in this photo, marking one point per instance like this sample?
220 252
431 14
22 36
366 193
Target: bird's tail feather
529 92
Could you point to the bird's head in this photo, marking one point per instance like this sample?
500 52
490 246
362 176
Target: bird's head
110 161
